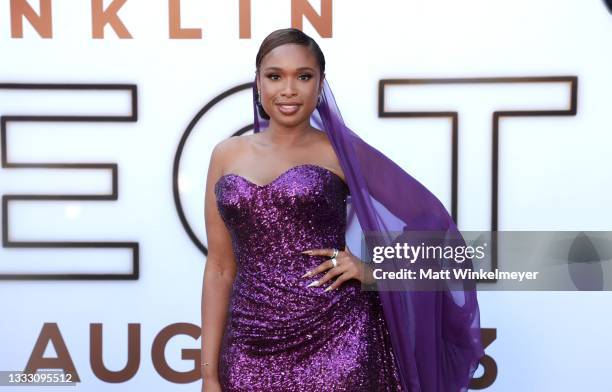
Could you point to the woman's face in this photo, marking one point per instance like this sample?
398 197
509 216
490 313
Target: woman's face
289 84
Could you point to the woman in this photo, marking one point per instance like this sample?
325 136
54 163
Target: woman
276 204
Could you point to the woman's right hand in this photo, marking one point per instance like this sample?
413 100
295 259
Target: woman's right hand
211 385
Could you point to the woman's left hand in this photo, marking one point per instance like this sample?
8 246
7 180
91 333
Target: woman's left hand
347 267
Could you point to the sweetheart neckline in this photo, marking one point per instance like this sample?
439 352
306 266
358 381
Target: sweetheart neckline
282 175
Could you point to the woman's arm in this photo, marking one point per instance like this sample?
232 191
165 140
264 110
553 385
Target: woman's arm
219 272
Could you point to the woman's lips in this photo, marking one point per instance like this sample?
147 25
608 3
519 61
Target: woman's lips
288 109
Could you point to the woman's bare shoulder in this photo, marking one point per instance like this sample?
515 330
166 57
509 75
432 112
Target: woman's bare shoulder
232 146
325 147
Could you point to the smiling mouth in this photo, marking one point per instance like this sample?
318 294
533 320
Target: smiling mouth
288 109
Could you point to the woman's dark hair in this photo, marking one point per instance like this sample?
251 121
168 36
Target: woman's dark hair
282 37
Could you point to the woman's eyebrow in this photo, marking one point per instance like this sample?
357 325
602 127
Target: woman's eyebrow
280 69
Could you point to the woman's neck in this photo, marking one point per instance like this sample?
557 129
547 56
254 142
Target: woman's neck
287 137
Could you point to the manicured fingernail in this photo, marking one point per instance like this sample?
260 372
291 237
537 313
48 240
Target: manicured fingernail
314 283
328 288
306 251
306 274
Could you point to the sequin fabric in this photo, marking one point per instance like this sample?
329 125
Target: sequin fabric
282 335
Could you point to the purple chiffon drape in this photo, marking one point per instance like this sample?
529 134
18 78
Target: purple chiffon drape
435 334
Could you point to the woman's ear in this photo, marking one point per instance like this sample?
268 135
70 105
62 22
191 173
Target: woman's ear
257 81
321 83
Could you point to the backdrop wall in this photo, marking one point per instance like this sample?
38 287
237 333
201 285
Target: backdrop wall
110 110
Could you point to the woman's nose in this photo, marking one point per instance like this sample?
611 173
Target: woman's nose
289 88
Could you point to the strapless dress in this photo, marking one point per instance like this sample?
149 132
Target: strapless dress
281 335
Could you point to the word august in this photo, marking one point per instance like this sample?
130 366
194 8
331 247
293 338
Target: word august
50 334
102 17
436 252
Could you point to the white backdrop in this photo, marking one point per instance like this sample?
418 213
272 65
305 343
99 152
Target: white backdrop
554 171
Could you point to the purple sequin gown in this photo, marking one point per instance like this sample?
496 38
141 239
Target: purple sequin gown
282 335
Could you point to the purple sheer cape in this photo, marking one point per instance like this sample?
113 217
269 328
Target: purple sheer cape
435 334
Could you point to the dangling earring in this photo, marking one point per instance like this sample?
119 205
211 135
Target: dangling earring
319 100
258 97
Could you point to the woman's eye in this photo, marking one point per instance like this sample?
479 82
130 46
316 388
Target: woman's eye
302 77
